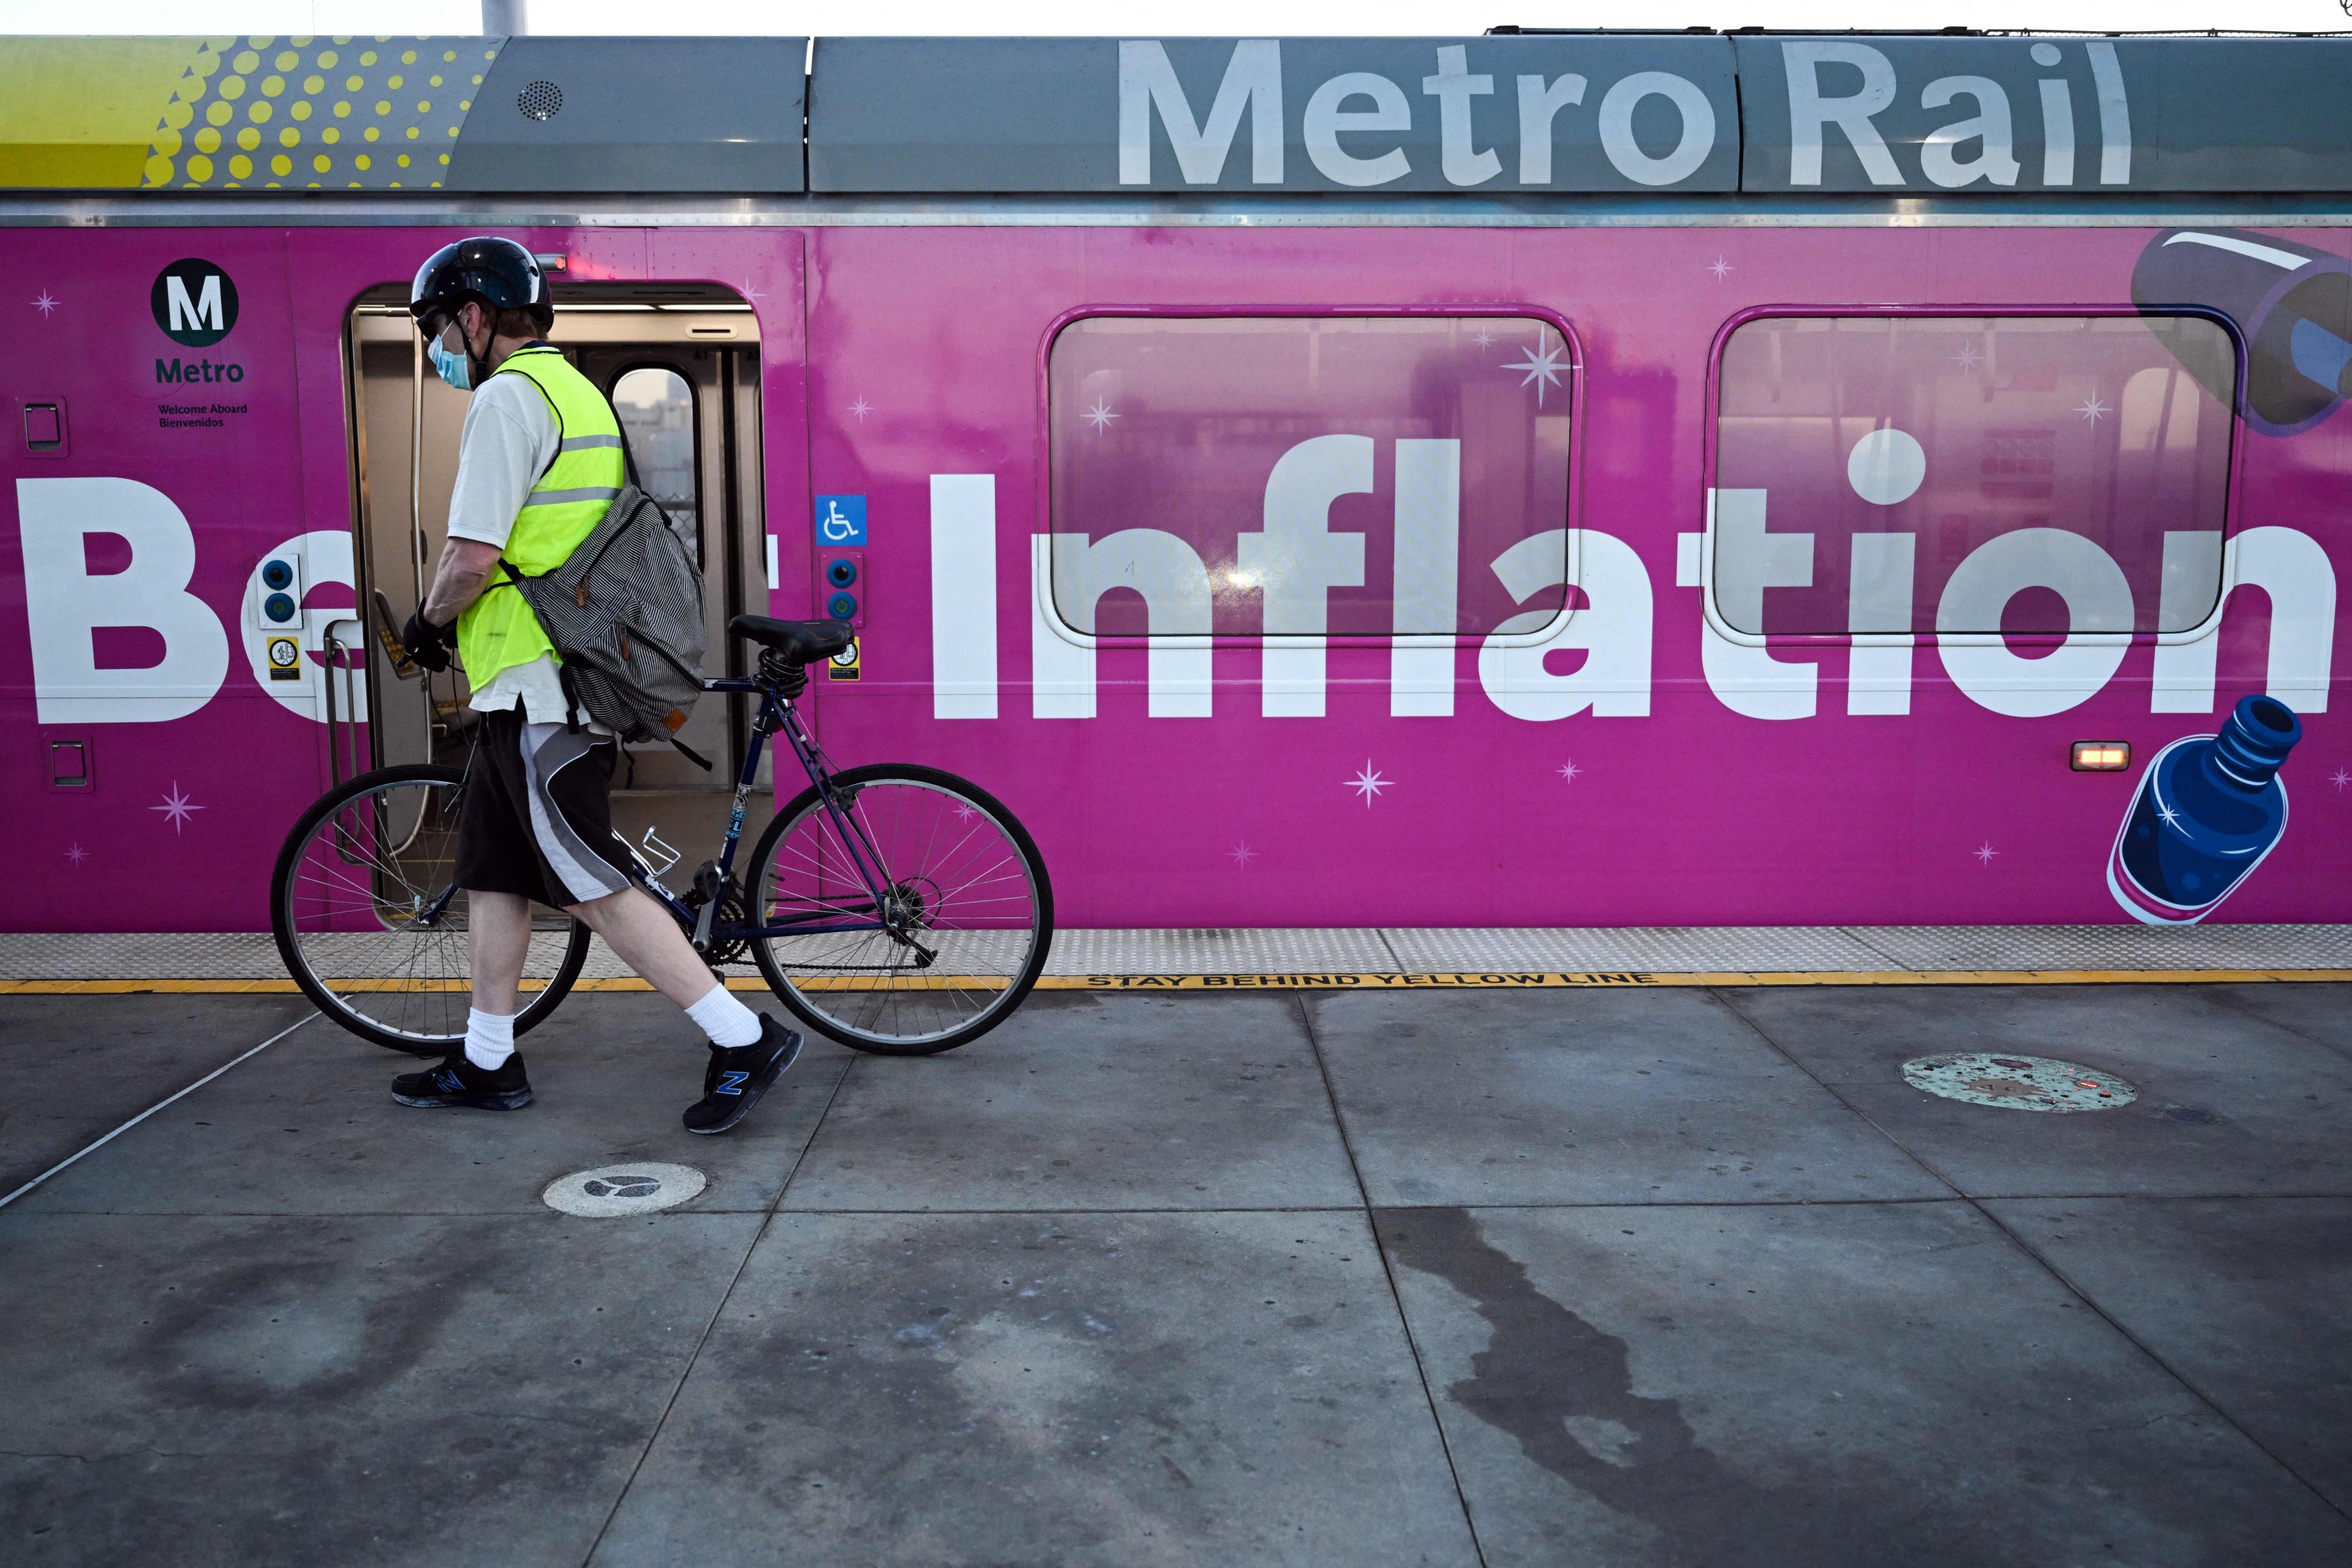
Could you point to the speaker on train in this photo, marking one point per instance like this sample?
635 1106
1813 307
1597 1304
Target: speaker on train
2292 304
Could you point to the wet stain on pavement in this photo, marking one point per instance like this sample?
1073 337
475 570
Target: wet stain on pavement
1562 1389
248 1333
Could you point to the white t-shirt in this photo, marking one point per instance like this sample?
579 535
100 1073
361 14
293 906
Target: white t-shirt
509 439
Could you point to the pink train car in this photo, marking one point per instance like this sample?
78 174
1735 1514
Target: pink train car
1514 480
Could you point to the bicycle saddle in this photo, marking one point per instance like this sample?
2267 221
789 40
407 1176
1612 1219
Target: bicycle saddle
802 642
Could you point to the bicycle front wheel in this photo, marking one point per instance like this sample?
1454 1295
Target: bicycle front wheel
371 928
910 921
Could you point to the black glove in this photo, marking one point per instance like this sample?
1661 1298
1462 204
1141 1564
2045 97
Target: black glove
427 644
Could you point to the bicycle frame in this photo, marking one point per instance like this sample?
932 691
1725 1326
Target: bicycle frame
777 716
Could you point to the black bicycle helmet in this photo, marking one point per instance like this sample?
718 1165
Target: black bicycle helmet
498 272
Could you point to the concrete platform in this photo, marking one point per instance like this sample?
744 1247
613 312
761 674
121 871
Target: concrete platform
1565 1276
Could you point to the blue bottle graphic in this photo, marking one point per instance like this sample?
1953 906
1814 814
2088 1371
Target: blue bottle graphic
2208 809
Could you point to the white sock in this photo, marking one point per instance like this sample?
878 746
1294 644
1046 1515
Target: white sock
727 1021
490 1038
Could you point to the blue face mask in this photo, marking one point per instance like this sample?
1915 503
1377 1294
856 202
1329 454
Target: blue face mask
457 369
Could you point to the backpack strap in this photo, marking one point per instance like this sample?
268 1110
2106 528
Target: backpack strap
563 673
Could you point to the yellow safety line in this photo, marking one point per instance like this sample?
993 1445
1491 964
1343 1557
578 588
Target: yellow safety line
1523 980
1491 980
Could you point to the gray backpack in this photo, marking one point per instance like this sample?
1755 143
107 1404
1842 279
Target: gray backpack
625 613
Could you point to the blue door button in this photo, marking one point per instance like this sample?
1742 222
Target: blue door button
841 573
841 606
278 607
278 575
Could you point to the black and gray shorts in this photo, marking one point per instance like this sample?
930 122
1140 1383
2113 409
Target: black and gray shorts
538 813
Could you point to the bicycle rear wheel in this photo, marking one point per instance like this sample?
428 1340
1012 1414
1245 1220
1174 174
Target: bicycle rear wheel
956 937
370 926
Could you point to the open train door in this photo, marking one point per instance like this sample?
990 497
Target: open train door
698 373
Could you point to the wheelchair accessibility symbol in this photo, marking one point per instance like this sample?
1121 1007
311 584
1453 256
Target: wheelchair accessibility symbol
841 519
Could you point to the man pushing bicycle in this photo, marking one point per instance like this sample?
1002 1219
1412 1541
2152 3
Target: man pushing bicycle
540 462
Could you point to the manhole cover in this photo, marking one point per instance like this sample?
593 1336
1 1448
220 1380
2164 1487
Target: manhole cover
2018 1083
611 1191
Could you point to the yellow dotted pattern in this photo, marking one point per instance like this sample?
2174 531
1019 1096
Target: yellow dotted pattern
318 113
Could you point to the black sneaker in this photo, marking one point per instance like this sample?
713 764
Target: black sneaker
457 1081
736 1079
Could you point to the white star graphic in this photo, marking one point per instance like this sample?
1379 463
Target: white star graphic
1720 267
46 302
2092 408
1542 365
77 853
1968 357
1567 770
751 296
1484 337
2169 815
1984 853
1241 855
2340 777
1369 783
1100 417
861 408
176 807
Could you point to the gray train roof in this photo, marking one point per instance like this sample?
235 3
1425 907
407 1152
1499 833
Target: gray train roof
1513 115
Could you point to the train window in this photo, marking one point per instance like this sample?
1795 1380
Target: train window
1345 475
656 410
2024 475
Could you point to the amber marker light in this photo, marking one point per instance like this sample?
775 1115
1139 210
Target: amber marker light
2101 756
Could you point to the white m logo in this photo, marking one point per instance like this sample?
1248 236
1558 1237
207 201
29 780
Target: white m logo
200 314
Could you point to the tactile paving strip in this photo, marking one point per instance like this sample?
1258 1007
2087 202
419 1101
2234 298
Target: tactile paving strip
190 955
1673 950
1236 951
115 955
2110 947
1689 949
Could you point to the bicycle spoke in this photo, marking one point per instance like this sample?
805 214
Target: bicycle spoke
956 885
350 910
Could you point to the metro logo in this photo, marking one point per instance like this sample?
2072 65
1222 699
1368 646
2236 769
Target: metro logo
194 315
194 304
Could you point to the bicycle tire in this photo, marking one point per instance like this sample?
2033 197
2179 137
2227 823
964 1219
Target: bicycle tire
285 926
813 1005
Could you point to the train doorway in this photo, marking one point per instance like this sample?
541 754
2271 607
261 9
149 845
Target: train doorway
681 363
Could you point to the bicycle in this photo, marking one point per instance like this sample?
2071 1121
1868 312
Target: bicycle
898 909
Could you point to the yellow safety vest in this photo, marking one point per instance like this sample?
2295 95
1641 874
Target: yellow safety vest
498 630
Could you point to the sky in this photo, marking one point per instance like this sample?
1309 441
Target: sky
1149 18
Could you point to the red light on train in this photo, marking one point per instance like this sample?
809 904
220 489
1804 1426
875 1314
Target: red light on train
2101 756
